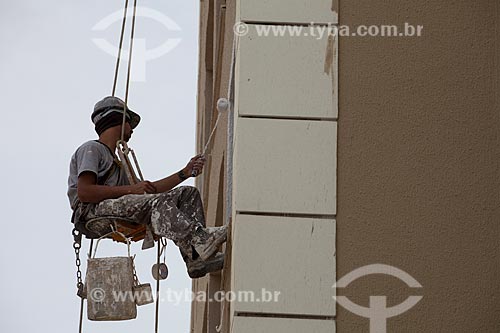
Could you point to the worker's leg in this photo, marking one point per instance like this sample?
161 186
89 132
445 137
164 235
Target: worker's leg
188 205
187 199
176 213
198 268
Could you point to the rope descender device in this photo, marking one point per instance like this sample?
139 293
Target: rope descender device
123 153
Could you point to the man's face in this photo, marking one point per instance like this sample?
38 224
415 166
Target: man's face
128 132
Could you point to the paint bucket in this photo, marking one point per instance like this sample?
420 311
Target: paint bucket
110 288
143 294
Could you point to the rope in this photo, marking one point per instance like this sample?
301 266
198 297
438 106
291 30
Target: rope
158 287
125 148
113 231
229 167
163 247
132 32
231 73
118 59
229 94
90 248
230 132
81 316
115 80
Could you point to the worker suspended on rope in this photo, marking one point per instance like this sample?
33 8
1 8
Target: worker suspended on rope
99 189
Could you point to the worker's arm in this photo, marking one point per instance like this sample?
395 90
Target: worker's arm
166 184
90 192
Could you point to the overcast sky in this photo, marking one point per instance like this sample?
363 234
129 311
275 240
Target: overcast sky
51 75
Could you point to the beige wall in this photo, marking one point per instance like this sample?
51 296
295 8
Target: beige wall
214 64
418 158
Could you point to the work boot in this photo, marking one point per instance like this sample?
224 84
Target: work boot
206 240
199 268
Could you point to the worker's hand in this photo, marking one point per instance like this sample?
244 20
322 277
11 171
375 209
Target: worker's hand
195 166
143 187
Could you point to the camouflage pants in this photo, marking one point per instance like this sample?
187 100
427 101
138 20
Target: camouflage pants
173 214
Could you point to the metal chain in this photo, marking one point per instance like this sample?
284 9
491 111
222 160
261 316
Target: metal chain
77 245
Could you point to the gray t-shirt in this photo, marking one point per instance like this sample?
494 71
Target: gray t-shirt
95 157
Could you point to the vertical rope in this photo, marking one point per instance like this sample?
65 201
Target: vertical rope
230 132
157 287
229 162
132 33
81 316
90 248
118 59
229 95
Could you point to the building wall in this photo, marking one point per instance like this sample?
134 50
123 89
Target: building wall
417 185
418 157
214 63
284 169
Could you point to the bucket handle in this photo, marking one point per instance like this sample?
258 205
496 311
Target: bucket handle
113 231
